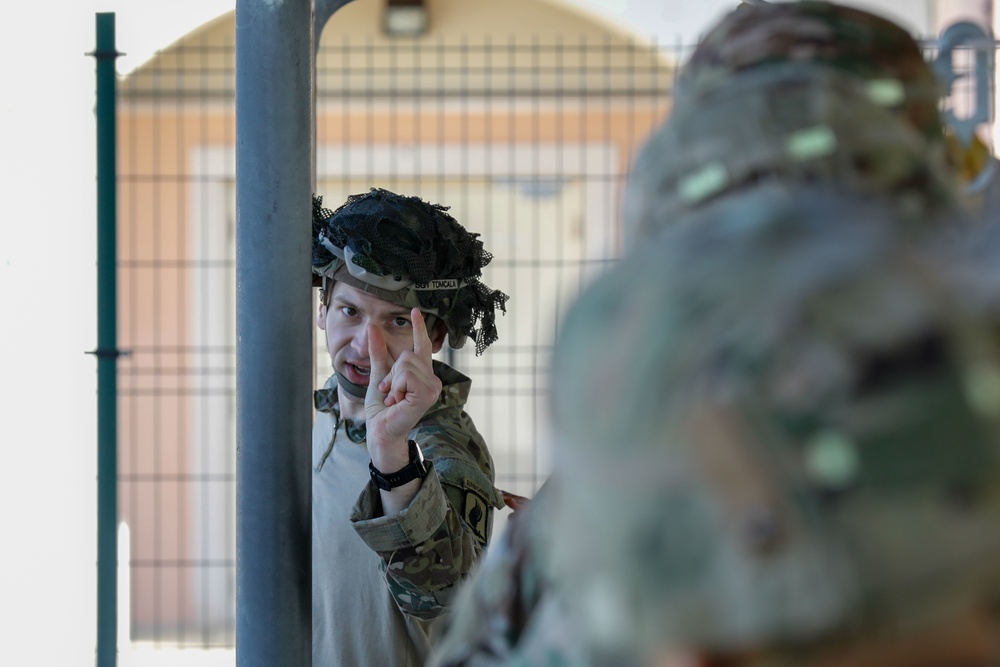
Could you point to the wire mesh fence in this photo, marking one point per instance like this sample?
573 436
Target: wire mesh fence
526 135
526 138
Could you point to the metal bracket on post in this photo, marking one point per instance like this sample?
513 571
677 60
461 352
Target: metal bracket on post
322 12
968 35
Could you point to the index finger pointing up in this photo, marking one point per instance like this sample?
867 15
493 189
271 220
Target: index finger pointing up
421 341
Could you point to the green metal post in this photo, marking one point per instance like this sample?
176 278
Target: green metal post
107 345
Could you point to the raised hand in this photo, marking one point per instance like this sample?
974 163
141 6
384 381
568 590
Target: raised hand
400 391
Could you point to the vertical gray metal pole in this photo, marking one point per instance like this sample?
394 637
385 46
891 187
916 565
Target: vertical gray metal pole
274 142
107 344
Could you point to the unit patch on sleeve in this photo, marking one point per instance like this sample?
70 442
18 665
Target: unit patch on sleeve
475 514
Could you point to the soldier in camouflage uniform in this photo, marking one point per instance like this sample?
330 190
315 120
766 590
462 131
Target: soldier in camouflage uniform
782 427
778 98
403 493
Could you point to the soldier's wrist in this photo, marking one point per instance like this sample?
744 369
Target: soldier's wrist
391 475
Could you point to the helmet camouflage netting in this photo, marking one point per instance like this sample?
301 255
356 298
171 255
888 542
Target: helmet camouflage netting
410 252
785 418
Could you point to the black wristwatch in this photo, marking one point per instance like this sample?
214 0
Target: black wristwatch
415 469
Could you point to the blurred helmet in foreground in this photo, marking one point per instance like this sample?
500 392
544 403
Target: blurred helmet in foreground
826 35
783 124
781 426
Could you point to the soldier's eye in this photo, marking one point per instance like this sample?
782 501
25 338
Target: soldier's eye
923 355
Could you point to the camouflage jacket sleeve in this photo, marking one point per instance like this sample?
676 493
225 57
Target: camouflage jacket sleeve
508 614
433 544
488 618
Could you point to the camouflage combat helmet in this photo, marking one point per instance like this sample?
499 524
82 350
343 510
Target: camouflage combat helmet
820 34
781 124
412 253
782 424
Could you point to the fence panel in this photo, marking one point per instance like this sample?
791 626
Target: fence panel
526 138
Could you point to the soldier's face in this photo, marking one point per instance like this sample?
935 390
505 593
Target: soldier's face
346 320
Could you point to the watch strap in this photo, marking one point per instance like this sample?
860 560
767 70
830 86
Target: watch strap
415 469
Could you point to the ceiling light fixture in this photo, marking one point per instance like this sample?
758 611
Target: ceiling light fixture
405 18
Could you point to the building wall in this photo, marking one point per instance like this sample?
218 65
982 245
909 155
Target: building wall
522 115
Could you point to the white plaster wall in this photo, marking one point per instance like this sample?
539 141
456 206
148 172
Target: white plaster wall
683 22
949 11
680 21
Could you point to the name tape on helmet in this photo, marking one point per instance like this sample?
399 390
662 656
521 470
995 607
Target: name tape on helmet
449 283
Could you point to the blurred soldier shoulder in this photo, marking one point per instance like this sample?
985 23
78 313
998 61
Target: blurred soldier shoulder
508 614
789 454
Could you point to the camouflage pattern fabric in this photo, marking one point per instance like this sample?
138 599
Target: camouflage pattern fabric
783 123
796 92
447 526
782 423
507 613
846 39
774 101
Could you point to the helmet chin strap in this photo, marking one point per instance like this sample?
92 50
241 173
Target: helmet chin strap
355 390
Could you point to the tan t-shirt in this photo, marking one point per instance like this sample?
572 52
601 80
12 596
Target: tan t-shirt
356 622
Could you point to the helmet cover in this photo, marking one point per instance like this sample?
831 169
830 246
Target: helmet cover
786 123
827 35
410 252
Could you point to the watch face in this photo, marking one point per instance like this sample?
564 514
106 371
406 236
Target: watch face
417 457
